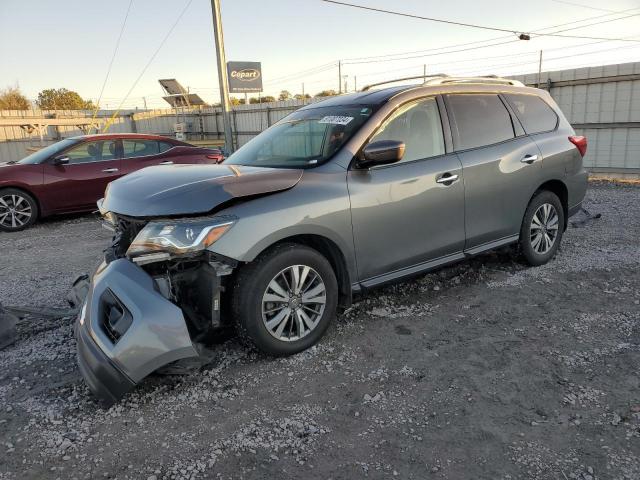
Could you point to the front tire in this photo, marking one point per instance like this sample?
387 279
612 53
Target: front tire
18 210
284 301
542 228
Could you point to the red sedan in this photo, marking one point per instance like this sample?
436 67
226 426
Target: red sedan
71 175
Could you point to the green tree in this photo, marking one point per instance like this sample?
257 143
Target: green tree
284 95
299 96
236 101
326 93
12 99
267 99
62 99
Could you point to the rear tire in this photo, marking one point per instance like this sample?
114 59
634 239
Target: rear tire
18 210
284 301
542 228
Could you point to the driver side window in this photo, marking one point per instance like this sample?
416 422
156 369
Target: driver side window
92 152
418 125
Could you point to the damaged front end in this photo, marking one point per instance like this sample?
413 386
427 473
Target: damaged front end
155 300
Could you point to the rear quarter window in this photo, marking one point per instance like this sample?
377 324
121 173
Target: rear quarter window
534 113
164 146
480 119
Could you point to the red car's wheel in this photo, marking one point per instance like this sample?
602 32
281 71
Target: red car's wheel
18 210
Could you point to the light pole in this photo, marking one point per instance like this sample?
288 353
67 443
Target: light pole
222 74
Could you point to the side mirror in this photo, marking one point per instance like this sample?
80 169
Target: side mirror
60 160
381 152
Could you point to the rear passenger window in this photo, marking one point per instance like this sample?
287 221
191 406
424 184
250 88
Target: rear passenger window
139 148
534 113
480 119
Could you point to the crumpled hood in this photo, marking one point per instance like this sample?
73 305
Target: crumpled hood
191 189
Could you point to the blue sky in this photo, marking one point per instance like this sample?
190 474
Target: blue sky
51 44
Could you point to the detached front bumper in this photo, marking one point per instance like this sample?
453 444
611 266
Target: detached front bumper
127 330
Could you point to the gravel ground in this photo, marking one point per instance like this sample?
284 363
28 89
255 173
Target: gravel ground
485 370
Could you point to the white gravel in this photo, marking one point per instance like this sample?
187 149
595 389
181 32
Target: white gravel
486 369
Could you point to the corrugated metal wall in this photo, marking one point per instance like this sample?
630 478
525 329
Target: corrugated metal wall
602 103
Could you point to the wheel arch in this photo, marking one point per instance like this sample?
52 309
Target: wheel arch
28 192
332 252
559 188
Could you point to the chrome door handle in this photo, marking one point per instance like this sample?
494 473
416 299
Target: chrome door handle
448 180
529 159
166 162
110 170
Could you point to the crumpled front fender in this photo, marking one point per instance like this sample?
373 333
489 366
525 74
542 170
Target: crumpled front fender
156 332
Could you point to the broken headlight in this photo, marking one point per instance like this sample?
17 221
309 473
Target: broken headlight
167 238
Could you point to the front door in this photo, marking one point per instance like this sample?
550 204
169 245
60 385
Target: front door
407 214
82 181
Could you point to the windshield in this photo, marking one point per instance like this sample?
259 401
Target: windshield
46 152
305 138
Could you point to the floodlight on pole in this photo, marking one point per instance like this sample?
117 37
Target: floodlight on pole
222 74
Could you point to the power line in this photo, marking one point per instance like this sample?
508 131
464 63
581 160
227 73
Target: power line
108 124
437 52
455 70
310 71
547 59
113 57
582 5
466 60
347 60
374 59
469 25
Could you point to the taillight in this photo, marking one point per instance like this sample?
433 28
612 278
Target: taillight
213 157
580 143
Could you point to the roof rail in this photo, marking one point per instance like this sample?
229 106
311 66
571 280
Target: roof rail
489 79
434 76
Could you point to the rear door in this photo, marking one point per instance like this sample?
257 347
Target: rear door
82 181
502 166
407 214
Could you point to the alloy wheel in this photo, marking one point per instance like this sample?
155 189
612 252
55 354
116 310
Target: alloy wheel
15 211
293 303
544 228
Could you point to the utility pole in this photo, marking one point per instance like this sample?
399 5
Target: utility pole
304 100
424 72
339 76
355 83
346 90
144 100
539 68
222 74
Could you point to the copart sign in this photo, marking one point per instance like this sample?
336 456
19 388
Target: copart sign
244 77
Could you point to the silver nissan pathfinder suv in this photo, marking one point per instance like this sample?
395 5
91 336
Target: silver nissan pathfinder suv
340 196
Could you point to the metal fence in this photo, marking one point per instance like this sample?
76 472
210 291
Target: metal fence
602 103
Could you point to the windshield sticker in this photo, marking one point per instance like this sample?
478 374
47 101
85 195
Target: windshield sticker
335 120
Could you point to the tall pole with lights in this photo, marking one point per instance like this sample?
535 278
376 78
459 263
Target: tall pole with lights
222 74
